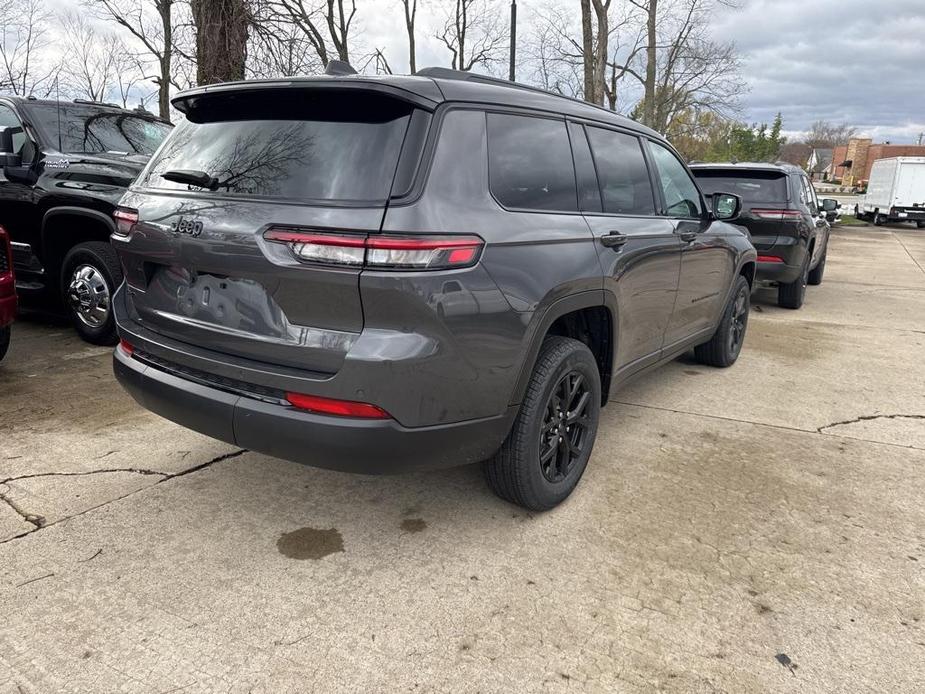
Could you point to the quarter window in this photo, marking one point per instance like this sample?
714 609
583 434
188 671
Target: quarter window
530 163
682 199
622 173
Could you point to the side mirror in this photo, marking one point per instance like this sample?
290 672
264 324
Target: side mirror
829 205
726 206
7 156
11 161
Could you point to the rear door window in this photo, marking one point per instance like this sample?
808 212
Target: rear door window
530 163
751 186
325 156
622 172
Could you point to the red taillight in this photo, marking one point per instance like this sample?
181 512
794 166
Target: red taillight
385 252
769 259
126 347
338 408
126 219
776 215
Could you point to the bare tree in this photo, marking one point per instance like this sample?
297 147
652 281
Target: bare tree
90 68
825 134
23 35
277 47
683 67
410 8
221 39
473 34
326 24
153 24
595 32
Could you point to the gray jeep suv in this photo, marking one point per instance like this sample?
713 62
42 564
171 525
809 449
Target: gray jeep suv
377 274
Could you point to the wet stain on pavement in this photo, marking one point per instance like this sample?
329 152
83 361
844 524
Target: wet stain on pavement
784 660
413 525
691 372
310 543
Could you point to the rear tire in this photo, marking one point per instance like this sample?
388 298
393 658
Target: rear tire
792 295
724 347
880 219
920 224
546 452
815 275
89 278
5 340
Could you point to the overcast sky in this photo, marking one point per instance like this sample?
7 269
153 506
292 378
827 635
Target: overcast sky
861 62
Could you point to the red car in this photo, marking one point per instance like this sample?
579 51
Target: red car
7 291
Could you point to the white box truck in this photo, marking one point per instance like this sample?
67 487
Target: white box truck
895 192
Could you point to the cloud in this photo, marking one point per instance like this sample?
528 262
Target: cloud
859 62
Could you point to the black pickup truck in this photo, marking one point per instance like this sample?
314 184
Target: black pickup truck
63 168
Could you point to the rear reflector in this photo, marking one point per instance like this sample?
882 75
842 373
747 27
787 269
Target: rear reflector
776 215
126 347
769 259
339 408
126 219
381 252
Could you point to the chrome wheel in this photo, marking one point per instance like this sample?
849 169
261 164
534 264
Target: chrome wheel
89 296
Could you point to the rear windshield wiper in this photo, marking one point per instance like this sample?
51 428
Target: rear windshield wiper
191 177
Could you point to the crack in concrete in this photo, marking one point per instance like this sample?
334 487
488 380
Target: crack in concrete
868 418
39 521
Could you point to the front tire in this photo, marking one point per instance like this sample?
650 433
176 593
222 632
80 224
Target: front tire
723 348
920 224
89 278
548 447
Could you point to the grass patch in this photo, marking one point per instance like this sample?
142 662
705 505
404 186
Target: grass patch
849 220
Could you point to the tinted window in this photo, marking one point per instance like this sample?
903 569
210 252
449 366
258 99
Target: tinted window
622 172
93 129
682 199
352 158
751 186
589 193
530 163
22 145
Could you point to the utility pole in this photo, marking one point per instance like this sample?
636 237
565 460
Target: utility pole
511 70
921 136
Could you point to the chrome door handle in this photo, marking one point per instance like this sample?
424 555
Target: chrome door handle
614 239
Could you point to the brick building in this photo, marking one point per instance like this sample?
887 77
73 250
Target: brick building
851 163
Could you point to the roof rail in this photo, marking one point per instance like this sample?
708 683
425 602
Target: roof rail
88 102
446 73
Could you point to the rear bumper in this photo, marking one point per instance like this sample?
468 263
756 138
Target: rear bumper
337 443
790 250
908 214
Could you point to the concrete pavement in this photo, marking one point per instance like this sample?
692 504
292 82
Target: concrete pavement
760 528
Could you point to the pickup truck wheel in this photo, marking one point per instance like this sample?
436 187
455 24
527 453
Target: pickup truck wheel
5 340
549 445
815 275
920 224
723 348
89 278
791 295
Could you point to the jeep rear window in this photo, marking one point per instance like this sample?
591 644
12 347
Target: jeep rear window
751 186
335 150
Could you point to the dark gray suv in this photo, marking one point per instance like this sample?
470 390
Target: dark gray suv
383 274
